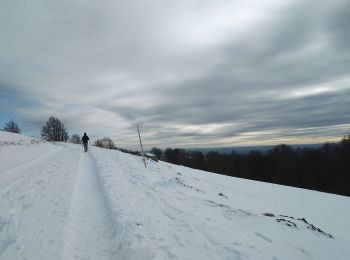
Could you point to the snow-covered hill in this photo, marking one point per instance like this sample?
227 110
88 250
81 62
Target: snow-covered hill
59 203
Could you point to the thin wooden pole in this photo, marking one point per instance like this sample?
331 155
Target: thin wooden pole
143 154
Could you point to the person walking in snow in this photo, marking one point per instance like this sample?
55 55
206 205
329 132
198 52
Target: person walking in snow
85 140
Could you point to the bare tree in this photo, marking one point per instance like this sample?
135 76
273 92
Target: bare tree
54 130
11 126
75 139
105 142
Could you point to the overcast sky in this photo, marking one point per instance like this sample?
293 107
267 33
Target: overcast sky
192 73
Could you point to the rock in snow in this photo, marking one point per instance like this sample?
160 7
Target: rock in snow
59 203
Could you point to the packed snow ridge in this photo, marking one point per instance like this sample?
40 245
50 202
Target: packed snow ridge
59 203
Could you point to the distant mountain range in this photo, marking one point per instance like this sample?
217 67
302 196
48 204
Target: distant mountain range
248 149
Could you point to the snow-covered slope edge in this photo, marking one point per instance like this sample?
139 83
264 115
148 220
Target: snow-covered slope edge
7 138
59 203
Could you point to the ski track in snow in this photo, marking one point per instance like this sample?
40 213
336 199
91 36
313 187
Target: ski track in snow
90 233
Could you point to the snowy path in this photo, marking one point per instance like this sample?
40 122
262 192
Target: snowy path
54 206
90 230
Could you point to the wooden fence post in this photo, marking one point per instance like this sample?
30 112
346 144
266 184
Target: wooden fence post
143 154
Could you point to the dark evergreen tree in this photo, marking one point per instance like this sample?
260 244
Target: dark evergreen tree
198 160
157 152
169 155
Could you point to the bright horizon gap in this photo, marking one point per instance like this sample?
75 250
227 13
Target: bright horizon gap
263 138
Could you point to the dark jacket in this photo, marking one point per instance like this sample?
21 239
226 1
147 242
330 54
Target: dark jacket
85 139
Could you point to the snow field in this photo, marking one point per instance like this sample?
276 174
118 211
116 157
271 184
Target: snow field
34 206
59 203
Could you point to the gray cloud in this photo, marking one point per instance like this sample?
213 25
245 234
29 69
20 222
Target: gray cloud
192 73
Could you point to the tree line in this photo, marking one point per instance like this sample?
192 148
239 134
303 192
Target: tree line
324 169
